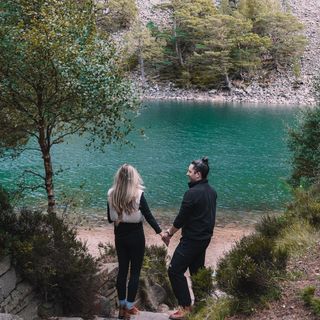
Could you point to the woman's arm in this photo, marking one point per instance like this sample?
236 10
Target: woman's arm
144 208
108 213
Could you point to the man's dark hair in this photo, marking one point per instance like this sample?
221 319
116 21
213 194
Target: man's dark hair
202 166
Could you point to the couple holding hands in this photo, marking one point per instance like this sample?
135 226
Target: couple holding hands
127 207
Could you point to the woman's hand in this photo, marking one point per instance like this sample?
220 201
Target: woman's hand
165 237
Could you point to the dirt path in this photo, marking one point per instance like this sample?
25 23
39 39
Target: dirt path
223 239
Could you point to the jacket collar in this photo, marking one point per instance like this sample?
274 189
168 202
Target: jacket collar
192 184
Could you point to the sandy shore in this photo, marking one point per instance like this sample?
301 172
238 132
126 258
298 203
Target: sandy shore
223 239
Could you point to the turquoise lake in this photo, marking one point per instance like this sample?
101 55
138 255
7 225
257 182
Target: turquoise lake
246 146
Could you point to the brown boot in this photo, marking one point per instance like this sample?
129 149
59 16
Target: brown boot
181 313
121 312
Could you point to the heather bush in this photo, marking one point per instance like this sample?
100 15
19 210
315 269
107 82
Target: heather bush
249 271
7 222
46 252
154 271
202 286
272 226
4 200
306 205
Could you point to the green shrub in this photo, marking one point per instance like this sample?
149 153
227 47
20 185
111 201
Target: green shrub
154 271
202 285
107 252
48 254
306 205
304 143
7 223
248 272
271 226
116 14
4 200
310 300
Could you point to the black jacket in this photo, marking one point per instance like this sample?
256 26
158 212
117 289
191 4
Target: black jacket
197 212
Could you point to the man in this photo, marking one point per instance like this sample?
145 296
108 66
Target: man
197 219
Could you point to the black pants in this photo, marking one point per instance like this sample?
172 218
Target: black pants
188 254
130 251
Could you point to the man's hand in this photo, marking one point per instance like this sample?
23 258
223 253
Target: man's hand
166 239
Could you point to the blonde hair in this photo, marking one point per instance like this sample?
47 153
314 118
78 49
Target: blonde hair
125 190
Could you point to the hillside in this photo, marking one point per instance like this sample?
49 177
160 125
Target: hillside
305 272
282 88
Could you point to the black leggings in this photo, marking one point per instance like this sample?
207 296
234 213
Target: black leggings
130 251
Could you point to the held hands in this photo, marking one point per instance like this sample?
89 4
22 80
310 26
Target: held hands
165 237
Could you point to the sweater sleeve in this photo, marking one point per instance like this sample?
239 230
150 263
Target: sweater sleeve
144 208
184 212
108 213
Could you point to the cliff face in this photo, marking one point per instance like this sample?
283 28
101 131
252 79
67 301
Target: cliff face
283 87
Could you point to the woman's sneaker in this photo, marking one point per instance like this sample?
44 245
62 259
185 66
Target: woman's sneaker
133 311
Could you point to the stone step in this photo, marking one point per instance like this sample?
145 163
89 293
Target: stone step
143 315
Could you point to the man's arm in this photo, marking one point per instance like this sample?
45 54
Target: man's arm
185 211
181 219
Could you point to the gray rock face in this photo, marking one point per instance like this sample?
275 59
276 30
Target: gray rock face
17 298
6 316
4 265
7 283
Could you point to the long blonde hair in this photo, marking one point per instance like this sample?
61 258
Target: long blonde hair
126 186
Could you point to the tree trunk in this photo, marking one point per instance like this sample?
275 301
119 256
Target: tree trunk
141 63
44 143
228 83
177 47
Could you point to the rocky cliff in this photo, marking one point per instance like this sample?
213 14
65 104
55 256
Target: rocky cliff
283 88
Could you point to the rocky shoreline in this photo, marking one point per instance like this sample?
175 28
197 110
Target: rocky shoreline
283 88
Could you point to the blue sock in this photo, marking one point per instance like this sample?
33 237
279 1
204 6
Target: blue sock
130 305
123 303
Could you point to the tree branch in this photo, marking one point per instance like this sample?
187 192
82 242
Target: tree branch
59 139
27 171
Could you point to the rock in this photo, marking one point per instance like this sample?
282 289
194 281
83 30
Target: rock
7 283
7 316
5 264
102 306
157 294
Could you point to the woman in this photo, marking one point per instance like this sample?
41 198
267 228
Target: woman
127 207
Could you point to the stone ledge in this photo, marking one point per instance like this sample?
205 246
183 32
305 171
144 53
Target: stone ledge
5 265
7 316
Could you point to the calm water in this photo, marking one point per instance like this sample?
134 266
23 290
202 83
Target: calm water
245 145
